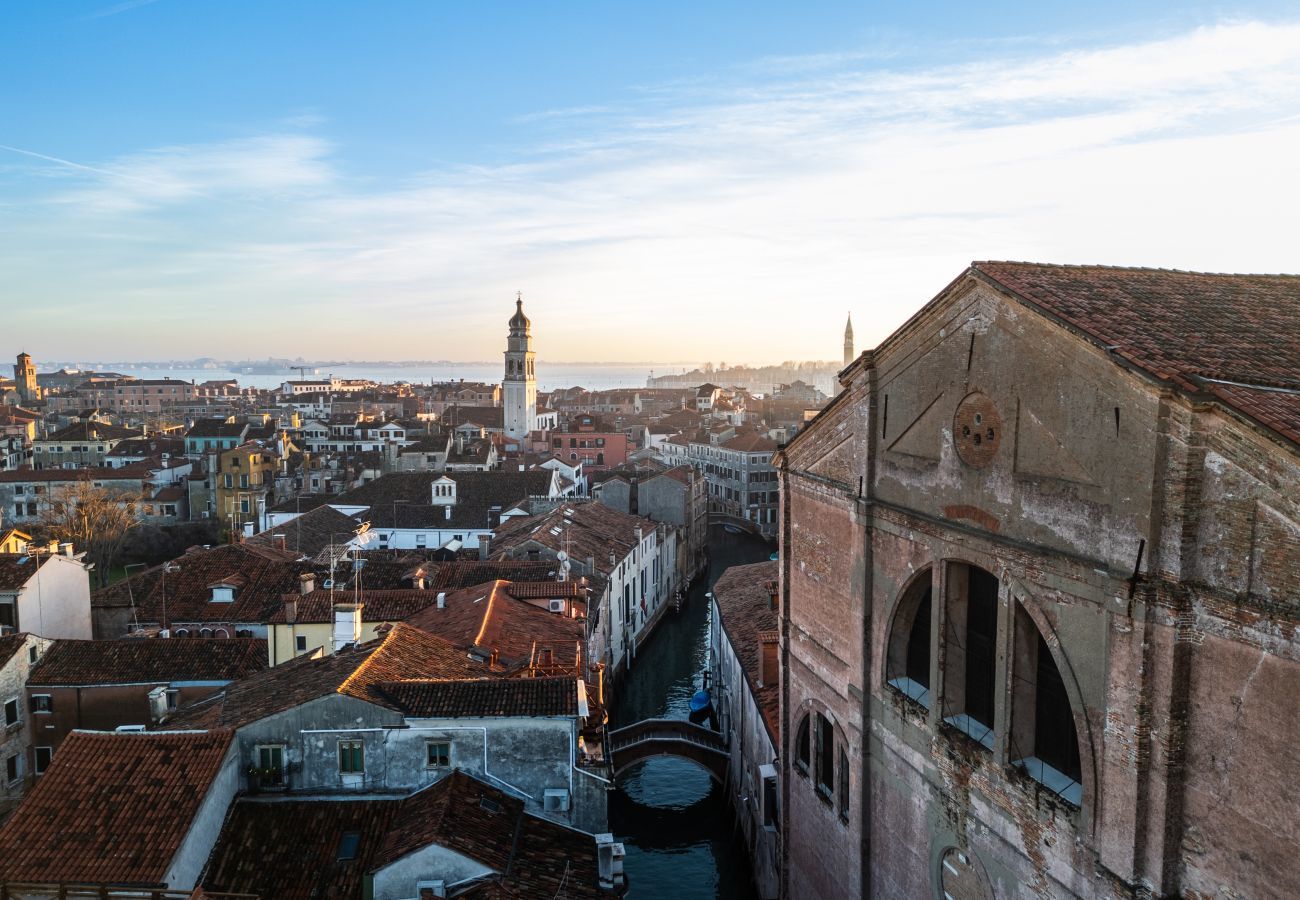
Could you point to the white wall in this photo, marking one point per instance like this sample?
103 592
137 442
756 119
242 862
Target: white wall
55 602
187 865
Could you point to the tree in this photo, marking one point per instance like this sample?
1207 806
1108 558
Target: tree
94 520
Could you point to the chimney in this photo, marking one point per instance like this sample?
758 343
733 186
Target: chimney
347 624
770 670
306 583
278 541
442 599
484 545
609 862
448 509
66 548
290 610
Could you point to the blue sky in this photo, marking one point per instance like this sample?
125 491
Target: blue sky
670 181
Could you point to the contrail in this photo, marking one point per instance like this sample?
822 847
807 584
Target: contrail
74 165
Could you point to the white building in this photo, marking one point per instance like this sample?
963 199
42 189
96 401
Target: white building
519 386
45 594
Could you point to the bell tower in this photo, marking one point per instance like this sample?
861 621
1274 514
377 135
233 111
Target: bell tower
25 379
848 341
519 385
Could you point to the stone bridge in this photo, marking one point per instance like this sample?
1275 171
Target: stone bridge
722 518
669 737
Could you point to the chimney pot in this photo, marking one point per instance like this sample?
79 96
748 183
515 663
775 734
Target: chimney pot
442 600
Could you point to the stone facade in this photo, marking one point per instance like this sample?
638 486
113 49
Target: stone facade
1041 596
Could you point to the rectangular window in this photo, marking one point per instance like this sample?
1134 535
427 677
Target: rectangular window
981 646
7 615
270 764
438 754
844 785
230 480
11 712
42 703
43 755
300 642
825 756
352 757
13 769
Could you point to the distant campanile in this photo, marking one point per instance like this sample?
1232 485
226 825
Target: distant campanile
25 379
848 341
519 386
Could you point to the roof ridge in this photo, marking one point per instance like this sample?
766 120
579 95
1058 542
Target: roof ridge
1117 268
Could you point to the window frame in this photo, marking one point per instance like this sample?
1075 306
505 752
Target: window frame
45 708
803 746
429 746
12 703
824 758
37 768
355 763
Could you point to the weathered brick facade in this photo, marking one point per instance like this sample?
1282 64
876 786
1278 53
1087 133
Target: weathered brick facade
1143 539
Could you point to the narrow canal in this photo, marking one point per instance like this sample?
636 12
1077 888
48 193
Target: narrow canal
674 820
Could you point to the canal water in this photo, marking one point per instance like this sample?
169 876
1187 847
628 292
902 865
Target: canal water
680 833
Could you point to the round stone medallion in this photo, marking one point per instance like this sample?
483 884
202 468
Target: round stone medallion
977 430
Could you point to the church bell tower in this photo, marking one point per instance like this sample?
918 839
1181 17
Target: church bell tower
848 341
519 386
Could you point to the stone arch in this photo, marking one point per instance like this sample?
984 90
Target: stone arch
1027 601
901 621
809 709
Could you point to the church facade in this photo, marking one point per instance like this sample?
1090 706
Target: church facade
1040 596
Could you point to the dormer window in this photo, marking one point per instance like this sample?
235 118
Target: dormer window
223 593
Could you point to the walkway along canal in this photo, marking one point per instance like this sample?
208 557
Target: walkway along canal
673 818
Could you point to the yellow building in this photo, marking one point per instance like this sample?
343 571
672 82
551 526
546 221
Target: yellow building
245 484
14 541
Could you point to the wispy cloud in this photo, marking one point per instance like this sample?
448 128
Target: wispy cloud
117 8
701 219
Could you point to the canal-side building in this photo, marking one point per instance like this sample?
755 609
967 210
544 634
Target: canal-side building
630 563
745 680
1039 596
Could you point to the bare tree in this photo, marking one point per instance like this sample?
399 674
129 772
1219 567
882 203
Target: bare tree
94 520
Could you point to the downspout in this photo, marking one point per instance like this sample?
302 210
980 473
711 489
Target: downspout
866 490
784 564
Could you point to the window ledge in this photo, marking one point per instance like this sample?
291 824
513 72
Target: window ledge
824 794
912 690
1053 779
973 728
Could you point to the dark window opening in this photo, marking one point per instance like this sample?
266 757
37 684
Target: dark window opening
908 664
349 841
803 749
825 756
981 644
844 784
1055 740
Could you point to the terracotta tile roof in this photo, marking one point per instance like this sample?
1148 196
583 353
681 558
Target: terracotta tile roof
743 595
1233 337
132 472
266 574
290 850
309 533
467 573
11 644
93 431
377 605
487 616
751 442
16 569
135 661
534 858
580 529
485 697
401 654
112 807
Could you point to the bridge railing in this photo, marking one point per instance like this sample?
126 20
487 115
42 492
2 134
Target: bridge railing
666 729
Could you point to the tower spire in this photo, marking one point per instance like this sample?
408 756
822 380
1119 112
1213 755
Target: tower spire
848 340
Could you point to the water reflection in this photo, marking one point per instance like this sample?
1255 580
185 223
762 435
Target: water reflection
674 820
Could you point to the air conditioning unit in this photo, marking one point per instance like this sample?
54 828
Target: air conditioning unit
557 606
555 800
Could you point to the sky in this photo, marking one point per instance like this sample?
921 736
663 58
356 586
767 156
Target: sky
668 182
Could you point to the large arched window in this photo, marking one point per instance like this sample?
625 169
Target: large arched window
908 667
971 652
1044 740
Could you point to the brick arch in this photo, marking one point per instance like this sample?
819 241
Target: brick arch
1083 730
916 583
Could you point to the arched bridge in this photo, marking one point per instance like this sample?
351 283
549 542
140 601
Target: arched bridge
668 737
722 518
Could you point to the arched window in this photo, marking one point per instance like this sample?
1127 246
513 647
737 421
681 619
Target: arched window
908 667
221 633
825 756
1044 741
971 656
182 632
205 632
803 747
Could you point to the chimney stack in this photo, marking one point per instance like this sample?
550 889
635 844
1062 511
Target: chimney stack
769 672
484 545
306 583
347 624
290 610
442 599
